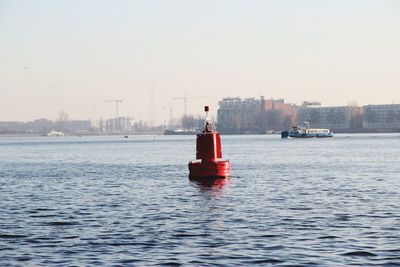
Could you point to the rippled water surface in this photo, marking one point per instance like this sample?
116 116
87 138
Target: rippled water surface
115 201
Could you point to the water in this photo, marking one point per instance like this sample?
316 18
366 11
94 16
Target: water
115 201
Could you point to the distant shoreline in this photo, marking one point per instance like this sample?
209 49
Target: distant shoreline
158 134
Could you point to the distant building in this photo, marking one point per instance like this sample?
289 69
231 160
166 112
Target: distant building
119 125
40 126
239 116
77 126
277 115
9 127
311 104
382 117
334 118
250 115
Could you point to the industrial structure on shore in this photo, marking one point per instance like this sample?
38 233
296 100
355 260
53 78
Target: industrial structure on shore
251 115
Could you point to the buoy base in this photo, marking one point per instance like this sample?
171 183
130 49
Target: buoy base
217 169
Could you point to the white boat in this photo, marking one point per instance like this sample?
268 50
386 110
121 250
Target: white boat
55 133
306 132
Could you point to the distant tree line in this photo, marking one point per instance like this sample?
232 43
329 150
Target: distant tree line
275 120
192 123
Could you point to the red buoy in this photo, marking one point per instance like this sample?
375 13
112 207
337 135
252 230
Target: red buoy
209 154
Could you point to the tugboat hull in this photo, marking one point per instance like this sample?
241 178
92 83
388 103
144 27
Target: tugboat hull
310 135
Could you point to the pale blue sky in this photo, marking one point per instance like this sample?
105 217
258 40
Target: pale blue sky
73 55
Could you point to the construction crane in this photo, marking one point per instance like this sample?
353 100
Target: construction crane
185 98
117 102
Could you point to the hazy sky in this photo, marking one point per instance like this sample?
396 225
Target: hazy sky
74 55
